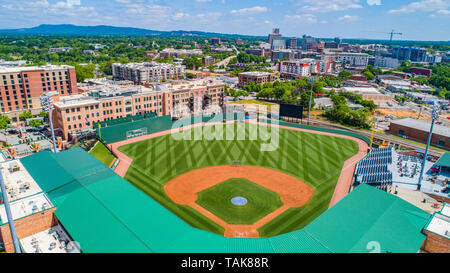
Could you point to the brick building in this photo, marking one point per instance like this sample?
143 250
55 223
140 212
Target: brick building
418 130
109 101
421 71
437 231
21 87
256 77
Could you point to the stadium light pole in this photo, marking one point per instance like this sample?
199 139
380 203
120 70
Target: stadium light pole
12 228
47 105
310 99
434 116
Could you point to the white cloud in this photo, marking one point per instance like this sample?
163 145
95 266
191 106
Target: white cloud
304 18
329 5
252 10
202 1
374 2
443 11
348 18
424 6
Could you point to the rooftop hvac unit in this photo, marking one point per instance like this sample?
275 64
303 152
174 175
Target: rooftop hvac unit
14 167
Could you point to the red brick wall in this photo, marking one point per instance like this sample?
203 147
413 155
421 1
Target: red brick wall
435 243
418 135
28 226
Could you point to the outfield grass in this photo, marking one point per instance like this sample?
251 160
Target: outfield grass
260 201
102 154
315 159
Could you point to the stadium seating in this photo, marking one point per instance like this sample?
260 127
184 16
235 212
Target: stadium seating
373 169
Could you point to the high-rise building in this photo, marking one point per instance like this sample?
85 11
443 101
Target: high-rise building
413 54
278 44
308 42
21 87
275 35
292 43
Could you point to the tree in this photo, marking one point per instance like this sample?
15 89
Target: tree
84 72
43 114
35 122
304 99
345 75
369 75
4 122
25 115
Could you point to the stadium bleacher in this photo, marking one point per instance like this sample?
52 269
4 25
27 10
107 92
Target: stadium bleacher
373 169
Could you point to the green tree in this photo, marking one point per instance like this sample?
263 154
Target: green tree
345 75
304 99
43 114
35 122
25 115
4 122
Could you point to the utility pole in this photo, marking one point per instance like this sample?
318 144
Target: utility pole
47 105
434 116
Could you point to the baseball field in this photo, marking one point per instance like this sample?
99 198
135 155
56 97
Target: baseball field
277 191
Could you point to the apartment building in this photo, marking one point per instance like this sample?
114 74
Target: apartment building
107 101
21 87
256 77
141 73
354 59
303 68
170 52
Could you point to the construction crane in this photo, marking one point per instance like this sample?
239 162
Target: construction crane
392 33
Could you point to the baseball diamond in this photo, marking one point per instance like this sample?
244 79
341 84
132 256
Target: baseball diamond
312 161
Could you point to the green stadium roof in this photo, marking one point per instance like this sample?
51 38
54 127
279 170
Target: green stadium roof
444 161
105 213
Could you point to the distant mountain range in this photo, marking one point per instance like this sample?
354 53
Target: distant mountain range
103 30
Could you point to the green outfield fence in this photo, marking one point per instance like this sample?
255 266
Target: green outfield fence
134 126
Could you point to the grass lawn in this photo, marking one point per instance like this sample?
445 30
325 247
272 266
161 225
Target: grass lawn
260 201
253 101
315 159
102 153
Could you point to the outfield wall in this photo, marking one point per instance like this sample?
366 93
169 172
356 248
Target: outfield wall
133 127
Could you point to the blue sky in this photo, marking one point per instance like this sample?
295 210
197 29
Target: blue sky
416 19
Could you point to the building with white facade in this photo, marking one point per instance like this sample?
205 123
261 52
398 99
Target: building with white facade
386 62
304 68
354 59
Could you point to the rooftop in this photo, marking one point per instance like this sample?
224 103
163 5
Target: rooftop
18 182
25 207
52 240
440 223
361 90
256 73
148 65
92 190
32 68
423 126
